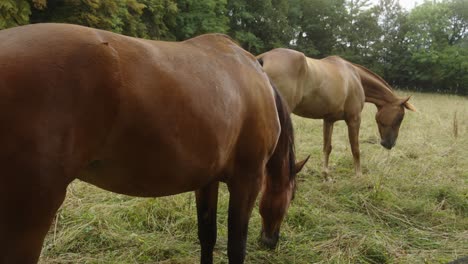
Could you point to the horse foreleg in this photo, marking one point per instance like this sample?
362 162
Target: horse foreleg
327 147
353 134
241 201
26 214
207 202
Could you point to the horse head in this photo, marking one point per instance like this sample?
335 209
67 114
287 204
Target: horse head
280 182
389 118
274 205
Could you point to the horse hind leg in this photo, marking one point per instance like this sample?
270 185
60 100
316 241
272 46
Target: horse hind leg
27 207
327 148
207 202
241 201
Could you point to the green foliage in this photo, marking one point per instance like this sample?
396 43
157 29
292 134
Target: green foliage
158 17
358 31
437 43
315 25
430 26
139 18
391 48
198 17
14 13
93 13
259 25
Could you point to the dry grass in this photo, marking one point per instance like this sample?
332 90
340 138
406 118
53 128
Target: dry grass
410 206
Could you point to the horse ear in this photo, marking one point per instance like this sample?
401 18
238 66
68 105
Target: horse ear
300 164
408 105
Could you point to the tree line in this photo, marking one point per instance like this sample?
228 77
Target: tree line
425 48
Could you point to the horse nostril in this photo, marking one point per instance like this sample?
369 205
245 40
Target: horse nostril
269 242
386 144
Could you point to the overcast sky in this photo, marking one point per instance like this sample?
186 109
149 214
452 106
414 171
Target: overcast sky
406 4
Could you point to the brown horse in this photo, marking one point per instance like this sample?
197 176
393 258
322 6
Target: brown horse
334 89
142 118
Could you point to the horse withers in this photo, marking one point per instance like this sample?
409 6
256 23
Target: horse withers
142 118
334 89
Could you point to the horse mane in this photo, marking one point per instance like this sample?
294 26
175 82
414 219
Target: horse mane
286 139
375 87
373 74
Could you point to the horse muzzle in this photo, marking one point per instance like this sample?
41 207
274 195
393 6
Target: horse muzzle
388 144
269 241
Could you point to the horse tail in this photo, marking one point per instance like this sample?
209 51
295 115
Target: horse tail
260 60
285 146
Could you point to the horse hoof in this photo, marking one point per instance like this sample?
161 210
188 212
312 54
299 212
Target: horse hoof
326 177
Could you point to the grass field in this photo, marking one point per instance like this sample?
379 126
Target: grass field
410 206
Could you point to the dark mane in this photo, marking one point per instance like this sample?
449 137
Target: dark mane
285 143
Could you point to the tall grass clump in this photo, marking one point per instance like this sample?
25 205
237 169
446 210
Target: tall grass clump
410 206
455 125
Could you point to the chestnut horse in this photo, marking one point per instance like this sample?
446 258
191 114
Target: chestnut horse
142 118
334 89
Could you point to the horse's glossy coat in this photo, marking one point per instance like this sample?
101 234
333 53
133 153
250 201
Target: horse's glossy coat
137 117
334 89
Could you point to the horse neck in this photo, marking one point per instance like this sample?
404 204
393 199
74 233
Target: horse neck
376 89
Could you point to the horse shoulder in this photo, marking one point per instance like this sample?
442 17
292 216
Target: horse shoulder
324 81
287 69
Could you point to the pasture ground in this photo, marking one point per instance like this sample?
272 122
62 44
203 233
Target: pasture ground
410 206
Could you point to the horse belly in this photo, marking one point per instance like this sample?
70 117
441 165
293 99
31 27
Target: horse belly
318 107
153 183
158 161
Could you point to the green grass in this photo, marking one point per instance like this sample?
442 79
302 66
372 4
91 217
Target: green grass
410 206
